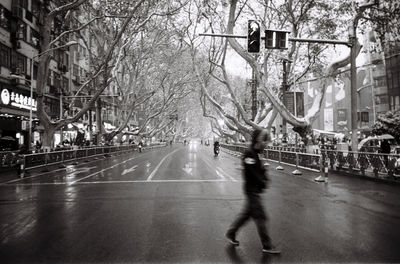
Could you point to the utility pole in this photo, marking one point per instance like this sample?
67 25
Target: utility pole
98 120
353 85
278 39
285 71
254 85
353 72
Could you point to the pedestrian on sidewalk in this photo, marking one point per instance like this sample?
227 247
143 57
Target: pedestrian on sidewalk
255 181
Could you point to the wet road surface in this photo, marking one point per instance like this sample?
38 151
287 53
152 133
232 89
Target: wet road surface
174 204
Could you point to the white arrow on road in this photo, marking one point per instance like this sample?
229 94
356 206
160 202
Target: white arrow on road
187 169
129 170
75 170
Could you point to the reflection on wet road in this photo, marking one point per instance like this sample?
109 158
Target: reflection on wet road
174 204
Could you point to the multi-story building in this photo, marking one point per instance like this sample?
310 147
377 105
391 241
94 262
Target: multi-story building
68 70
372 93
392 61
19 51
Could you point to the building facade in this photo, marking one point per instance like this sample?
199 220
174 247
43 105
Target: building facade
68 69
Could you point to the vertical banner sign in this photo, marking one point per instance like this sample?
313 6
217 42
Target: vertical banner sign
299 104
290 103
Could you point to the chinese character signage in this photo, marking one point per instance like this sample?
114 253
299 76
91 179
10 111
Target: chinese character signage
17 100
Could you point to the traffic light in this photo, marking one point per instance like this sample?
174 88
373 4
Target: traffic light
253 36
276 39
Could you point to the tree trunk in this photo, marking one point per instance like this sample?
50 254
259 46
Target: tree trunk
48 138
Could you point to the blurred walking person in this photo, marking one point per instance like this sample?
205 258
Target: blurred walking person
255 181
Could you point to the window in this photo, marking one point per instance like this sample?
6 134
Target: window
395 80
23 3
66 60
76 70
4 18
381 99
57 80
35 71
64 84
18 6
5 56
365 117
18 61
35 7
49 78
380 82
21 31
389 80
35 37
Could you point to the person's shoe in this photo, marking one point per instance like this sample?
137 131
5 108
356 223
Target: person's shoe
271 250
232 240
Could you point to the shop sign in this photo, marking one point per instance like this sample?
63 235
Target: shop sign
17 100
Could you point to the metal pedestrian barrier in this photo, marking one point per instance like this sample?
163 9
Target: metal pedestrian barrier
46 159
372 165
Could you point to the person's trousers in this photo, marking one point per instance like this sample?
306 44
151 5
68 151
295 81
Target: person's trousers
252 209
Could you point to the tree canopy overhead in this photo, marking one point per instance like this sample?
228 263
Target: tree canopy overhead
151 53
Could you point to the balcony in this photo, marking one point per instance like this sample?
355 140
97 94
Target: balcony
378 71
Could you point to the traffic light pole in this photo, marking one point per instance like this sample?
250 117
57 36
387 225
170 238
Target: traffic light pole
284 85
254 85
278 45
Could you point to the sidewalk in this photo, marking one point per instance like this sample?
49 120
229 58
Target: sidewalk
289 168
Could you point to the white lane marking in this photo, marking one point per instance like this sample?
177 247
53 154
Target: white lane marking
115 182
33 176
219 171
226 174
220 175
113 166
63 169
129 170
159 164
154 181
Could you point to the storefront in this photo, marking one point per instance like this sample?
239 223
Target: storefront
15 114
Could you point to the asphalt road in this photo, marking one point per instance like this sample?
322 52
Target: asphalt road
174 204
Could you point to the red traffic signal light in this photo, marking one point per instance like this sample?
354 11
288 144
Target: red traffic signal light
253 36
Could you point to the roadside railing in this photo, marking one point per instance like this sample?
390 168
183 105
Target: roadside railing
37 160
12 160
376 165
